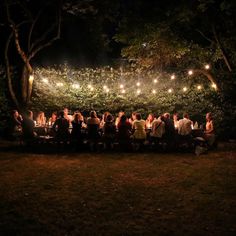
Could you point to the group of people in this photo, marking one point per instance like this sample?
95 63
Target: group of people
125 130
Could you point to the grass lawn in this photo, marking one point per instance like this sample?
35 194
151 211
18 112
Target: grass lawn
118 193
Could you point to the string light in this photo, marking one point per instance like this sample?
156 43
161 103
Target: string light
190 72
59 84
214 86
122 91
121 86
31 78
155 81
45 80
138 91
172 77
76 86
185 89
107 90
153 91
199 87
89 86
170 90
138 84
207 66
105 87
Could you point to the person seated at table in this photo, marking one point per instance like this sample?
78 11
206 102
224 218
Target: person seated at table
14 128
93 124
139 133
67 116
61 128
169 135
52 119
104 117
176 120
132 118
41 119
109 132
209 133
76 134
124 132
157 130
185 129
28 128
149 120
121 113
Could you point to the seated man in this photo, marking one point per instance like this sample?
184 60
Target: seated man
28 127
157 130
185 130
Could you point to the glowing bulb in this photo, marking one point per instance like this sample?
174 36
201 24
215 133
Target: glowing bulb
121 86
172 77
122 91
199 87
138 84
170 90
45 80
90 86
155 81
185 89
214 86
76 86
207 66
59 84
107 90
138 91
153 91
105 87
31 78
144 45
190 72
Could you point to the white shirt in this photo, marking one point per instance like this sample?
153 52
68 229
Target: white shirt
185 126
158 128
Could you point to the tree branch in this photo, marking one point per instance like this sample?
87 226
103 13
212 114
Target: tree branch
204 36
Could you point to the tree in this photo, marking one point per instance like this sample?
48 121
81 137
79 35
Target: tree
29 32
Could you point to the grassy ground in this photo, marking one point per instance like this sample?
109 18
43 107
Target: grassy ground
118 193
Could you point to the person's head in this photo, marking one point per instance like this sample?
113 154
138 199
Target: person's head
61 114
93 114
121 113
15 113
123 119
105 115
175 116
66 111
109 118
133 115
54 115
186 116
166 115
138 116
41 114
150 117
29 114
209 116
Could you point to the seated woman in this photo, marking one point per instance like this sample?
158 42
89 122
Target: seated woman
209 134
149 120
14 125
41 119
121 113
104 117
109 132
61 128
76 134
93 124
139 134
52 119
124 132
132 118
